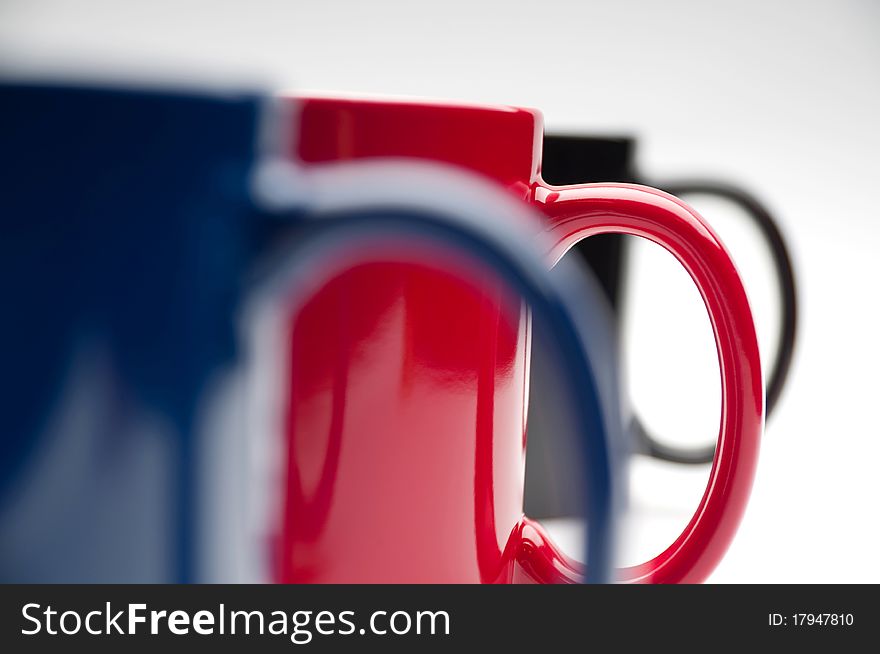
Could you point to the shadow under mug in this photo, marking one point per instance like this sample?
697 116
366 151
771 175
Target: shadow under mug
415 389
578 159
130 237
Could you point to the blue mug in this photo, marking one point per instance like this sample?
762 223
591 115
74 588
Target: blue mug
135 228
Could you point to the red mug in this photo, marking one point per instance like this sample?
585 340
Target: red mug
407 407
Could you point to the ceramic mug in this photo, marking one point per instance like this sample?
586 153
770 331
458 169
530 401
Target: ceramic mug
135 226
408 401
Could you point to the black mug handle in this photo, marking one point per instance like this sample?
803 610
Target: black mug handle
763 220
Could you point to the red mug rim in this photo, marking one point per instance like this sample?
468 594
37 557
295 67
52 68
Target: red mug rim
501 142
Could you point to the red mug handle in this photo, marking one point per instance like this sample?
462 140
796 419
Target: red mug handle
577 212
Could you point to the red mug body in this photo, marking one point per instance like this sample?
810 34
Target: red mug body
406 421
408 383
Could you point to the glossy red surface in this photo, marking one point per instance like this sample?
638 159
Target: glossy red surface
577 212
500 143
406 423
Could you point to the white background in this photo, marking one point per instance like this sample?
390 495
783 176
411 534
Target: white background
781 97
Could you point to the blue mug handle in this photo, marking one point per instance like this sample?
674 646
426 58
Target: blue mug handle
349 204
